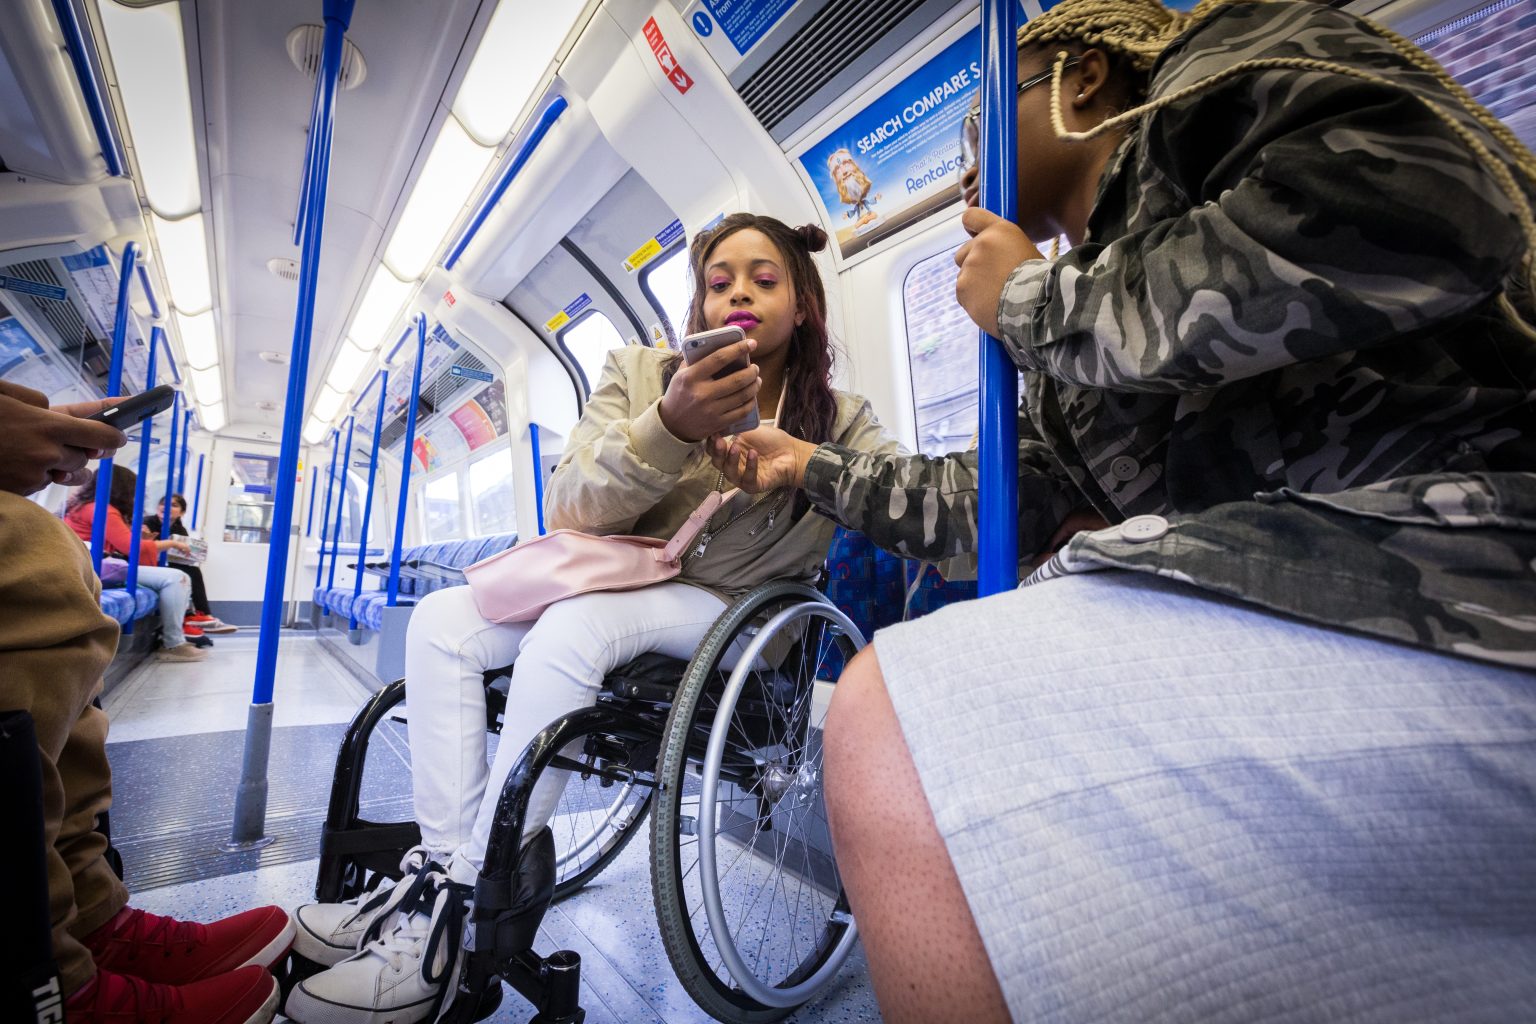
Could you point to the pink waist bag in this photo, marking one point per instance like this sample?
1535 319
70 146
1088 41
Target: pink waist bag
517 584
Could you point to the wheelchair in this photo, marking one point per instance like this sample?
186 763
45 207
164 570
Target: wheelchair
723 753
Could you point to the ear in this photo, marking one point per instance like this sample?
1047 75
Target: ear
1092 75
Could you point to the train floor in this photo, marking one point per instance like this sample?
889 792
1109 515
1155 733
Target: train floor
175 746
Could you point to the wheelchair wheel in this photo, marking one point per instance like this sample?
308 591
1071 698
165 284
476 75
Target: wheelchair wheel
750 904
608 789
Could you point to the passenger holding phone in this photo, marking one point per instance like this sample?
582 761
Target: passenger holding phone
635 464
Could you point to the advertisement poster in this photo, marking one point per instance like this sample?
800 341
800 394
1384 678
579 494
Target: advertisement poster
23 361
441 348
898 159
483 418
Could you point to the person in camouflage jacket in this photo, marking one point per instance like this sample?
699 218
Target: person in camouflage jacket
1291 285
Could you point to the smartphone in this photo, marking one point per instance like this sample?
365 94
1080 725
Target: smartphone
135 410
697 346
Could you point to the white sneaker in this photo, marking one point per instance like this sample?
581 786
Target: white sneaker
182 652
407 967
328 933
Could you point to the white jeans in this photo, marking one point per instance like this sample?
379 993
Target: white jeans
561 661
174 588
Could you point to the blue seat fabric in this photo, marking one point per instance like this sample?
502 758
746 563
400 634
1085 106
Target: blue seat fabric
368 606
119 605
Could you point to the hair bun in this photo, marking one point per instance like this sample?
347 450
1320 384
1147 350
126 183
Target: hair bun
812 236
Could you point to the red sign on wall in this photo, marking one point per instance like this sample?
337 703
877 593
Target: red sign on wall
663 52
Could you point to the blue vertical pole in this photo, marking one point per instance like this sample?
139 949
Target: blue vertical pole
114 389
538 476
373 472
314 485
170 472
197 493
251 796
341 504
186 447
131 584
998 514
407 456
325 516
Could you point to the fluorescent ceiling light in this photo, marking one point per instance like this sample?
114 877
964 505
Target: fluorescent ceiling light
184 258
376 313
315 431
329 402
209 385
150 60
518 45
199 342
447 183
349 363
212 416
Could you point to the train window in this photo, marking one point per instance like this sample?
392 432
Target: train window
942 347
440 507
667 283
587 340
248 512
1478 49
490 494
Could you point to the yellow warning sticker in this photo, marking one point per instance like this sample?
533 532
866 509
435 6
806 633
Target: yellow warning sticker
557 321
643 255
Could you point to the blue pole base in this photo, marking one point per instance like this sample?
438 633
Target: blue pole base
251 796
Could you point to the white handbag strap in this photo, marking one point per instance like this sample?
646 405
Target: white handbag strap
695 522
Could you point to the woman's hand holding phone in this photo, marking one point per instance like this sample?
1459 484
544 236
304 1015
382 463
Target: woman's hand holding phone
697 406
761 460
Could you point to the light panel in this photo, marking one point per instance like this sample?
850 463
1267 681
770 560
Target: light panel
315 431
199 342
184 258
212 416
328 403
376 313
518 45
150 59
348 365
209 385
447 183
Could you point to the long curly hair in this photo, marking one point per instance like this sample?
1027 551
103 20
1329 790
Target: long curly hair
809 404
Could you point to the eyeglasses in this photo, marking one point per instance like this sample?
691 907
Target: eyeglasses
970 126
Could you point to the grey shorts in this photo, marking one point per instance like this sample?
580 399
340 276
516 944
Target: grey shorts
1167 806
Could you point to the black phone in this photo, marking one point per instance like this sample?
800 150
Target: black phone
697 346
132 411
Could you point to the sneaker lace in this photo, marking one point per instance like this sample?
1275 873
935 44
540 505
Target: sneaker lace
384 901
425 921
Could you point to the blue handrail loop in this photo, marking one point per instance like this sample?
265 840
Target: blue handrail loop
998 514
373 472
251 796
90 88
541 128
114 389
325 516
407 456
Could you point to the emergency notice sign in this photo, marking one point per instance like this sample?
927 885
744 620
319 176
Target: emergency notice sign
663 52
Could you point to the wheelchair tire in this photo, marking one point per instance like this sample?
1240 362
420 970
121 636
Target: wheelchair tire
767 759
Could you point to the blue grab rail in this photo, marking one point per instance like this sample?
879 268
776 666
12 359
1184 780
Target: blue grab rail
146 438
314 485
998 514
114 389
541 128
251 795
325 516
197 494
170 473
186 442
407 456
373 472
90 88
538 476
341 503
154 305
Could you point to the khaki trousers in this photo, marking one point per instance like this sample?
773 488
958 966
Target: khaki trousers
54 645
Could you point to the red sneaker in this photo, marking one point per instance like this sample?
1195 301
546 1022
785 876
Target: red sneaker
199 617
246 996
187 629
171 952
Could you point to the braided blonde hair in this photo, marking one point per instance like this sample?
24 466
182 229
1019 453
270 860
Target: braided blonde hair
1138 31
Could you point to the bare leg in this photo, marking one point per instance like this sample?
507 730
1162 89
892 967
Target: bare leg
925 956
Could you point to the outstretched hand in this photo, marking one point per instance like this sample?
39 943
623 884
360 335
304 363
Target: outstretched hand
996 248
761 460
44 445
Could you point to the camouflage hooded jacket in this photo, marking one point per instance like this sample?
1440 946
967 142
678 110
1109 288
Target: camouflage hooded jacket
1280 342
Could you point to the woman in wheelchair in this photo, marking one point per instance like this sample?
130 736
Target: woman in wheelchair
1275 763
634 464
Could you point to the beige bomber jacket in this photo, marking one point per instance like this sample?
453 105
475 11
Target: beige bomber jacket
622 471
